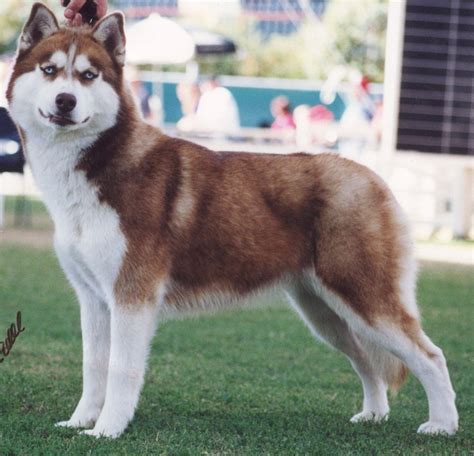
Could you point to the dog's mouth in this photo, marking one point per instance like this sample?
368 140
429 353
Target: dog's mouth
62 121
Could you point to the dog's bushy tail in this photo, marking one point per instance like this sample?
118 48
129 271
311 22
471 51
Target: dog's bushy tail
388 366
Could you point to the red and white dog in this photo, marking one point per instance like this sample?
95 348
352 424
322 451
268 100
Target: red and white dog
148 226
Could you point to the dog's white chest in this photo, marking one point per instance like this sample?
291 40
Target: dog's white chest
88 238
95 252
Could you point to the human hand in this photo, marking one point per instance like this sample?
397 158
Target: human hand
72 15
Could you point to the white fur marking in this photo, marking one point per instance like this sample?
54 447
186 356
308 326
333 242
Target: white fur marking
131 334
59 58
95 325
70 59
82 63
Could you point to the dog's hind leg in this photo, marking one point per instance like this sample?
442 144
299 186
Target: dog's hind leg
391 323
325 324
365 271
406 339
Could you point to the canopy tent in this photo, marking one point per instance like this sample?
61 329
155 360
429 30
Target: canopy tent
158 41
210 43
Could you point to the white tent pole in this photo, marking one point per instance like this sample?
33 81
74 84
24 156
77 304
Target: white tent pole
392 79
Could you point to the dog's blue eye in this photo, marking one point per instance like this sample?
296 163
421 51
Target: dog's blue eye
89 75
49 70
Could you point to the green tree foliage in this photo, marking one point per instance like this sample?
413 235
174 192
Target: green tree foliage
351 34
355 35
13 14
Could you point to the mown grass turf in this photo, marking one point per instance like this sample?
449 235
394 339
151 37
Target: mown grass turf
248 381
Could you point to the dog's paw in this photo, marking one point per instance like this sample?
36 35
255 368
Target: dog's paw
97 433
110 430
73 423
64 424
92 433
84 420
432 428
372 417
85 416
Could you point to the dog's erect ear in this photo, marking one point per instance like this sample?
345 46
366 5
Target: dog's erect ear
110 32
41 24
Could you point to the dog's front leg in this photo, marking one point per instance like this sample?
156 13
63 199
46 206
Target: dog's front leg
95 325
132 329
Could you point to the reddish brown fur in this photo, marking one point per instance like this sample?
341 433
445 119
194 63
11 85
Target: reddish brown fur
253 219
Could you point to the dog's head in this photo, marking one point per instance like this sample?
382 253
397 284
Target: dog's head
67 80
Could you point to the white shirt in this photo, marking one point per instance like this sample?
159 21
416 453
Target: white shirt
217 111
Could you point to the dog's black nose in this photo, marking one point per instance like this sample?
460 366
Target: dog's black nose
66 102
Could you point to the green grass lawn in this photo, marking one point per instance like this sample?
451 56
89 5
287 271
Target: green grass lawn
248 381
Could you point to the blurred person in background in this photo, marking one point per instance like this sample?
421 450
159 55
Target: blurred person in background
360 109
188 94
363 97
217 110
314 126
280 109
377 122
319 113
143 98
355 128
